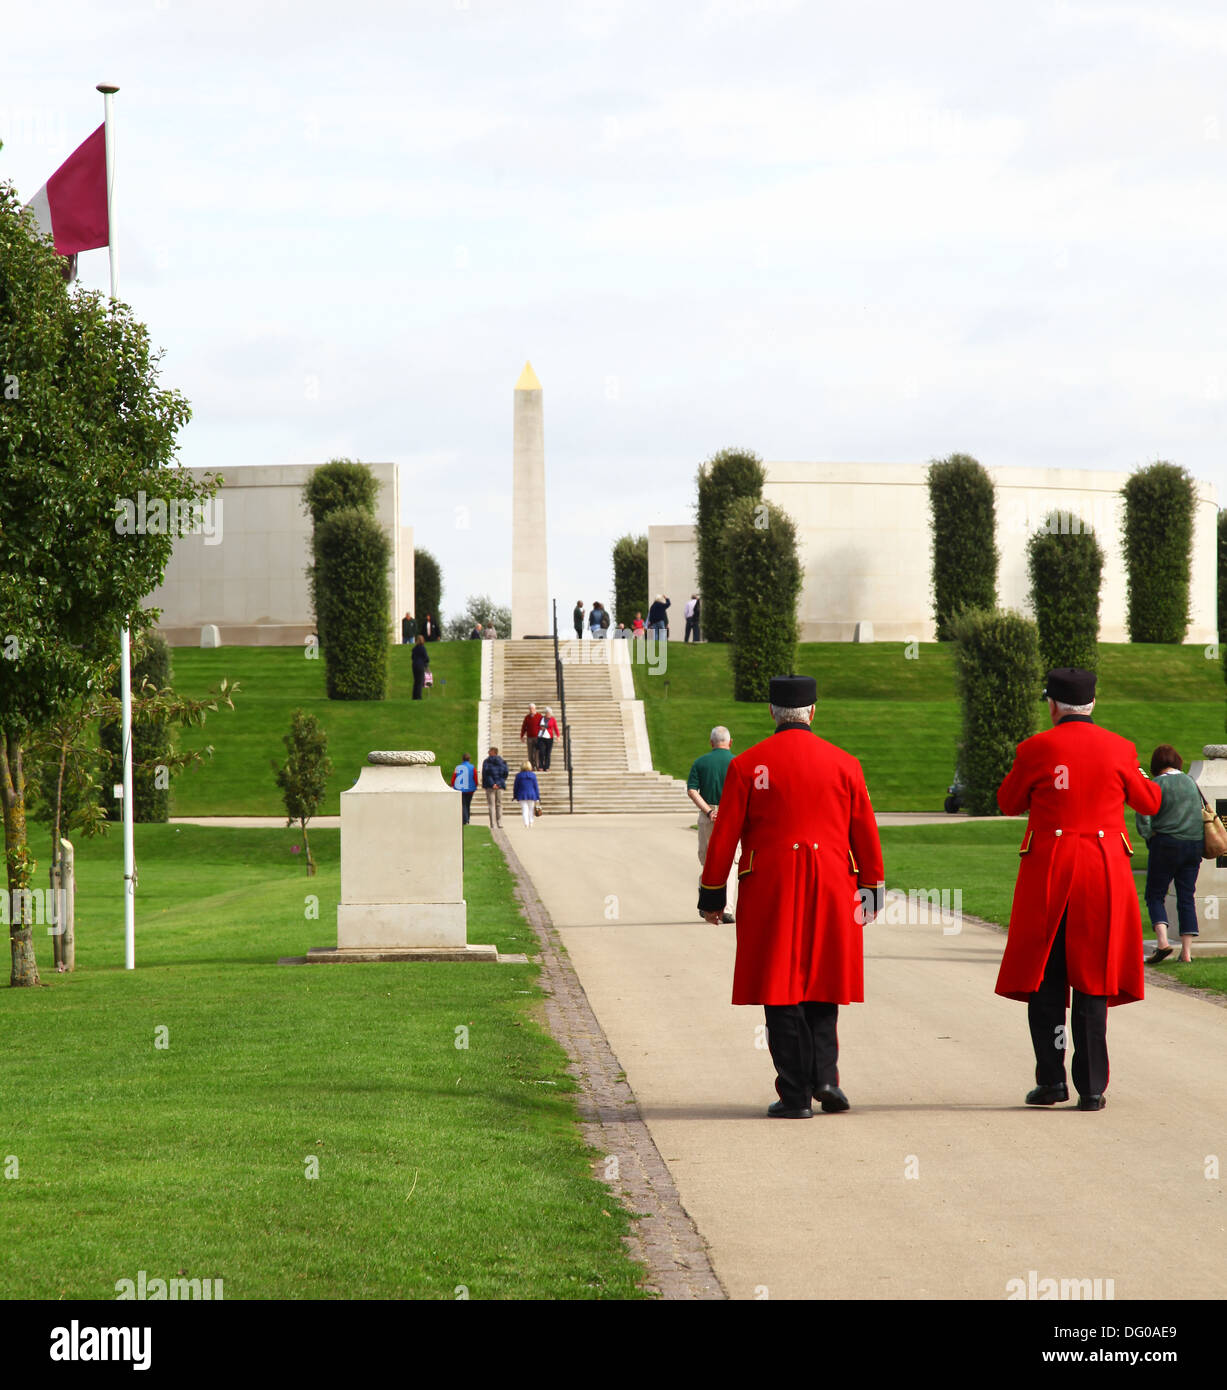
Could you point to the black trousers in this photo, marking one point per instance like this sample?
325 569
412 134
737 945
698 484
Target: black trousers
804 1046
1088 1028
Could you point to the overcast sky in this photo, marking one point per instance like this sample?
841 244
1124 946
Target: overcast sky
874 233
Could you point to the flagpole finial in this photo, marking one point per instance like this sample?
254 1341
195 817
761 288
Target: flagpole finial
106 88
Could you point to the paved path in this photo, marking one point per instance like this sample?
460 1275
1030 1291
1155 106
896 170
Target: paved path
939 1183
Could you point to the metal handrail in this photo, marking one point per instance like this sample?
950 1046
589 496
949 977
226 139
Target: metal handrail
562 705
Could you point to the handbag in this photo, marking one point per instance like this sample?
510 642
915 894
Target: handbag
537 808
1214 833
429 679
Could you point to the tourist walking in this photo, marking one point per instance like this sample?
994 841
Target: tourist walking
464 779
658 621
637 627
692 618
547 732
430 629
421 664
1175 836
1074 923
494 773
408 629
704 784
598 620
527 793
578 618
529 728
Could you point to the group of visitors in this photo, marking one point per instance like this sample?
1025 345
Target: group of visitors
494 774
657 622
539 732
409 629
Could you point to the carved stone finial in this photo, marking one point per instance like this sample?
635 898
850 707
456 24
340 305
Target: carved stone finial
399 759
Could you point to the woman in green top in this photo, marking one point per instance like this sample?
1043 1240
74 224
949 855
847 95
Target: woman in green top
1174 835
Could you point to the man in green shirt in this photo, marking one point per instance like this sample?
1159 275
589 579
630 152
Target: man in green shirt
703 786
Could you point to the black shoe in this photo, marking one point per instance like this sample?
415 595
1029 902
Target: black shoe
833 1099
728 917
1048 1095
1092 1102
779 1111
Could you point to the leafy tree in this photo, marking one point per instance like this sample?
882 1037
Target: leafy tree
351 566
480 608
725 477
1066 566
998 672
1158 546
334 486
85 428
428 589
303 778
964 519
630 567
764 572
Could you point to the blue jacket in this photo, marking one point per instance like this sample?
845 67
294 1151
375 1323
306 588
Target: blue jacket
494 772
526 787
465 779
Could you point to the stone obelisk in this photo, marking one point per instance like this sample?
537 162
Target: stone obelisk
530 602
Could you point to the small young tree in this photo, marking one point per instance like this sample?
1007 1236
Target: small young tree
725 477
351 566
428 589
1158 545
480 608
1066 567
630 569
998 673
964 519
1222 575
303 778
764 572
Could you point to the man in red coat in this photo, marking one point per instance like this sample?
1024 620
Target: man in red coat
810 876
529 730
1075 921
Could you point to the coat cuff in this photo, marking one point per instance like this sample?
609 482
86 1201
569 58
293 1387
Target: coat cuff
712 899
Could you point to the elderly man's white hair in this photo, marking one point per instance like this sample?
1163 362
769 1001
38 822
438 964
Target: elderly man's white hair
720 735
790 716
1063 708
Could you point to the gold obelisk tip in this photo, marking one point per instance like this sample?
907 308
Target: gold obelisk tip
528 379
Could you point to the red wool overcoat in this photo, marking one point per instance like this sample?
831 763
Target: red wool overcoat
808 839
1074 780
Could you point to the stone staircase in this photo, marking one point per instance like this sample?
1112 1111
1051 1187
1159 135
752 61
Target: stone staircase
609 752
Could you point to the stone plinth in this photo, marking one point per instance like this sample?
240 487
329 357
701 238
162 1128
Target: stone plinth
1211 776
402 866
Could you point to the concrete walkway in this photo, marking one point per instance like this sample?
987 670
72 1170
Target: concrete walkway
939 1183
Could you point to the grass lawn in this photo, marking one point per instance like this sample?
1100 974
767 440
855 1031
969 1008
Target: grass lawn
274 681
899 714
438 1166
981 859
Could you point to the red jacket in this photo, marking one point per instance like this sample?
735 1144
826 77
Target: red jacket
1074 780
808 838
531 724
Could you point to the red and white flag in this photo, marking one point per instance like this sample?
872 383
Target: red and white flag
71 207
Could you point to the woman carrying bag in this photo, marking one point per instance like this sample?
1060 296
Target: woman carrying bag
527 793
1176 837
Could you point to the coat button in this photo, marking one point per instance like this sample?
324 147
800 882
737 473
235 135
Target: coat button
1101 834
1058 832
796 846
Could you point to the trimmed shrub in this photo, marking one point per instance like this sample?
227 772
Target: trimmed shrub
1222 575
964 519
1157 536
725 477
1065 562
999 678
333 486
764 572
428 589
351 558
630 568
152 741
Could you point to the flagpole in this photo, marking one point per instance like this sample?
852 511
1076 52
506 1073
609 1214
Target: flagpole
108 91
